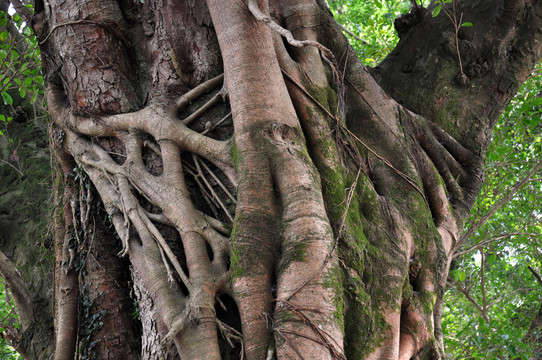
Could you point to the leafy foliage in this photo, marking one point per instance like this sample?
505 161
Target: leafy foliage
20 66
510 241
372 23
9 321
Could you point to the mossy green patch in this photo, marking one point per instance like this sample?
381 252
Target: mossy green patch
233 153
237 255
427 300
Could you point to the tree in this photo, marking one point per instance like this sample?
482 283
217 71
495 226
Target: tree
300 205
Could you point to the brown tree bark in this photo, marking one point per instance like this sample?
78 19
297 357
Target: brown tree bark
298 206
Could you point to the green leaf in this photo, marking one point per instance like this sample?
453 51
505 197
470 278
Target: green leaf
491 259
512 349
436 10
462 276
27 81
466 24
8 100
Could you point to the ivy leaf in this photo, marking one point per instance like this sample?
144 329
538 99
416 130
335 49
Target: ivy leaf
8 100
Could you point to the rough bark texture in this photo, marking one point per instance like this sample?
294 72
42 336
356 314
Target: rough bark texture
299 206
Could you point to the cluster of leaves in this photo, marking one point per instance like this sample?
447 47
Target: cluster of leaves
9 321
370 24
19 66
92 321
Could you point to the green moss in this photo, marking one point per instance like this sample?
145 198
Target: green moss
408 292
362 283
293 251
234 153
237 255
326 96
333 279
427 301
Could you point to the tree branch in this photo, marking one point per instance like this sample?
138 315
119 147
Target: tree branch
536 275
497 206
15 282
353 35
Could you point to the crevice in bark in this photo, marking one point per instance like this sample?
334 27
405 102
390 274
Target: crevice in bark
231 341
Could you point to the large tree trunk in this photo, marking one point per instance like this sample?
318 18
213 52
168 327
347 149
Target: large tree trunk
298 206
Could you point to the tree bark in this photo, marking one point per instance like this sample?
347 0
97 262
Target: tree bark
299 206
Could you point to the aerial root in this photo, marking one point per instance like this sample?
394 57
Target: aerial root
230 334
327 54
210 126
222 94
145 226
209 193
199 91
195 304
118 186
322 337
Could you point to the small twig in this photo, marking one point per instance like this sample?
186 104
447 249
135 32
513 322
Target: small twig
534 73
483 282
457 41
467 295
453 19
353 35
230 333
170 277
206 196
489 241
222 186
19 171
210 187
323 337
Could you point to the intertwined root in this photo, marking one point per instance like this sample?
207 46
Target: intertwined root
134 162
